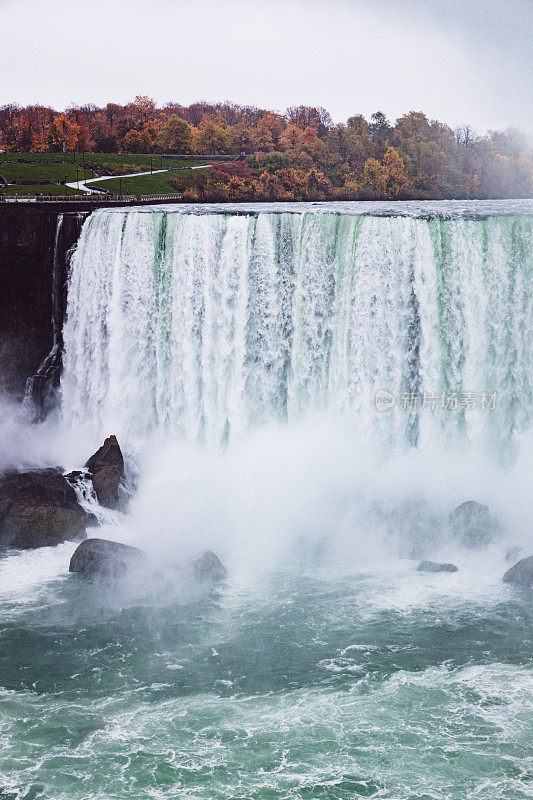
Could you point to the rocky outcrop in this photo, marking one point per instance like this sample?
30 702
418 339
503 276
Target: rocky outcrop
512 554
208 568
109 455
472 524
112 559
106 469
104 557
521 574
435 566
39 509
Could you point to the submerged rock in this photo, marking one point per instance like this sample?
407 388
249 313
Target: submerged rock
435 566
39 509
521 574
104 557
512 554
106 468
413 526
208 568
472 524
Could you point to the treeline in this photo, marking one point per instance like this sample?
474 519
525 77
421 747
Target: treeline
299 155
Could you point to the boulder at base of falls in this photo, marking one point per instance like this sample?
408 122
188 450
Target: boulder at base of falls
472 524
39 509
435 566
104 557
208 568
512 554
521 574
106 468
112 559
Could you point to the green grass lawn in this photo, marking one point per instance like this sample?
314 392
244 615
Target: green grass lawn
31 191
57 168
48 171
145 185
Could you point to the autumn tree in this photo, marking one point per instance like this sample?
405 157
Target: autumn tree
270 126
62 135
397 178
143 109
380 132
212 137
427 149
374 179
352 144
270 187
291 139
310 117
245 139
176 135
318 187
136 142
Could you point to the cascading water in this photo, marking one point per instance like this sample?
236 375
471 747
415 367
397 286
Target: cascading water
208 324
40 387
48 372
326 665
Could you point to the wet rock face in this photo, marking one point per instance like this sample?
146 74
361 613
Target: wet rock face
521 574
27 247
104 557
39 509
512 554
472 524
208 568
109 455
435 566
106 468
115 560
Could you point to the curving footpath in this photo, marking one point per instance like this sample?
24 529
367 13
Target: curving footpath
82 185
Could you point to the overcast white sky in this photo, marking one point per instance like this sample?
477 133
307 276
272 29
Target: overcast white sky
456 60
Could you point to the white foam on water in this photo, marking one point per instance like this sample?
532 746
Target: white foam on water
237 358
29 578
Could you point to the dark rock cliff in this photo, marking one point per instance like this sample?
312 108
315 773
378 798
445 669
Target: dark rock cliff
33 272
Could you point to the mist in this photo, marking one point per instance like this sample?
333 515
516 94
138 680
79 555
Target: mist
315 497
26 443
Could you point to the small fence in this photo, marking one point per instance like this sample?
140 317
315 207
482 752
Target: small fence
97 200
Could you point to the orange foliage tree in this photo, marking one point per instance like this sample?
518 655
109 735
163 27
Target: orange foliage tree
297 155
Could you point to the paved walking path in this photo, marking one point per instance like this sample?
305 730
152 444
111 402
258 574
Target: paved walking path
82 185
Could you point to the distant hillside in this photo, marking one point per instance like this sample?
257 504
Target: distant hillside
299 155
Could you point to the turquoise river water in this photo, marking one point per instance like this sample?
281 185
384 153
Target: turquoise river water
237 353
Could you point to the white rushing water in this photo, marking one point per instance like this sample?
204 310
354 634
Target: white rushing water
206 325
326 665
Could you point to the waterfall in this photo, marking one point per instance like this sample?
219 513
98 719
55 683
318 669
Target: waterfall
208 324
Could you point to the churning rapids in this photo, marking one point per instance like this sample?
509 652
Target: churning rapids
308 390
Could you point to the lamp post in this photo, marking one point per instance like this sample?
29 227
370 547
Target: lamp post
78 178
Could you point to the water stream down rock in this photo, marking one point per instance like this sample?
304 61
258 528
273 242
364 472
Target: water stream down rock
39 509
